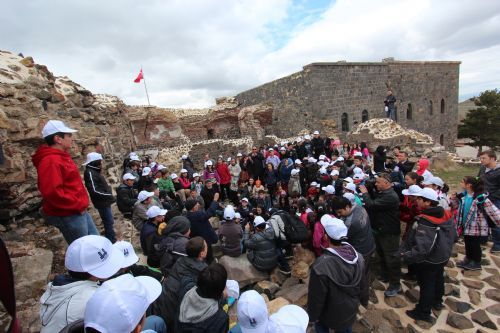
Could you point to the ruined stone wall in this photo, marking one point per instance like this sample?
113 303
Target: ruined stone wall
325 91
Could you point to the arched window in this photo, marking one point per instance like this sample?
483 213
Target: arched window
431 107
442 105
441 140
364 116
345 122
409 112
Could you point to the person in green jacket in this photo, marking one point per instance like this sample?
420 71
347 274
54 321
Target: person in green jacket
165 182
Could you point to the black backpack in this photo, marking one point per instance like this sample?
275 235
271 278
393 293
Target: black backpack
295 230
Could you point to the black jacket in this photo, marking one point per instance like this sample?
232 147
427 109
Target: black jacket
256 168
182 277
491 180
383 210
125 198
318 146
359 232
379 158
431 237
261 248
200 226
99 190
334 288
405 167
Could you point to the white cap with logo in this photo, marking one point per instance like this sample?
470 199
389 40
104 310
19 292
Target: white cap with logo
143 195
94 255
91 157
56 126
329 189
252 313
427 193
120 303
290 319
155 211
128 253
146 171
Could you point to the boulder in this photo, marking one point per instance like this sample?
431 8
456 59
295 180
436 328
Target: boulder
471 273
303 255
393 318
395 302
295 295
241 270
291 281
458 321
493 294
474 296
493 280
456 305
412 295
267 287
494 309
483 319
276 304
300 270
451 290
473 284
31 273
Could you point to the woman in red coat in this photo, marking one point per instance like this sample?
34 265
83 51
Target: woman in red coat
225 178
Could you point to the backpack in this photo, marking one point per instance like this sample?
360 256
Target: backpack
295 230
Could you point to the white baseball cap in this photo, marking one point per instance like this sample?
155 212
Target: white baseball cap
412 190
322 157
290 319
229 159
120 303
282 148
297 161
307 137
252 313
196 174
359 176
329 189
334 227
358 154
207 163
94 255
348 180
316 132
340 159
233 288
128 253
350 196
143 195
258 220
237 215
229 212
91 157
161 167
312 160
427 193
183 171
334 173
245 199
314 184
135 158
351 187
184 157
299 139
56 126
128 176
132 154
271 149
295 172
173 175
434 181
357 170
146 171
155 211
323 171
239 155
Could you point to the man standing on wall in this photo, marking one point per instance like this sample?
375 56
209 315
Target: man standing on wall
390 107
65 199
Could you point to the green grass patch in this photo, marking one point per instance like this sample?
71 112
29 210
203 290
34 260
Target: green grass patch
453 176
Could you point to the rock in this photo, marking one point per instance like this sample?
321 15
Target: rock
267 287
452 273
490 270
300 270
373 296
451 290
473 284
456 305
377 285
458 321
493 294
496 260
276 304
494 309
425 324
474 296
393 318
295 295
303 255
28 62
277 276
444 331
493 280
471 273
485 262
482 319
395 302
31 273
412 295
411 329
450 264
450 279
385 327
241 270
291 281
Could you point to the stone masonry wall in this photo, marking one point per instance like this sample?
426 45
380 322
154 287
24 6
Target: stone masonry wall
325 91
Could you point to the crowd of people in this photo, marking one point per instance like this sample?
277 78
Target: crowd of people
338 200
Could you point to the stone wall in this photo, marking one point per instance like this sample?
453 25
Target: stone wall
325 91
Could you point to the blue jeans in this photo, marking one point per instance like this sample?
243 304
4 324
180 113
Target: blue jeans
108 222
154 324
321 328
74 226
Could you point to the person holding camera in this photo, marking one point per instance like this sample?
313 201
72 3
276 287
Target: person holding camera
383 209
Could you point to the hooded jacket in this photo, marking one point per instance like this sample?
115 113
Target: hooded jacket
230 235
359 232
99 190
182 277
334 287
431 237
59 182
262 249
172 245
64 302
126 197
199 314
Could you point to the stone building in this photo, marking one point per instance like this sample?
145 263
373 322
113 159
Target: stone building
353 92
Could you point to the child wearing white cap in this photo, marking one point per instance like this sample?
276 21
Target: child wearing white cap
156 215
126 196
230 233
88 260
334 281
139 215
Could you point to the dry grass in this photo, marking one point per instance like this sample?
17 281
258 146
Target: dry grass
453 176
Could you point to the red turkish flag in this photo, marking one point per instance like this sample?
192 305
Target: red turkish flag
139 77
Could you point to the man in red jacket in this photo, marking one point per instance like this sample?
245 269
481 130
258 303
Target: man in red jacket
65 200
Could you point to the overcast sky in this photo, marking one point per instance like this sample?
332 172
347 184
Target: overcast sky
194 51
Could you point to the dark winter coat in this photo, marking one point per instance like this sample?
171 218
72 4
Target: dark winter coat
125 198
491 180
230 235
383 210
256 168
261 249
99 190
200 226
379 158
359 232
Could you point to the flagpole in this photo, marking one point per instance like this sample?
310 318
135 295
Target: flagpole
145 87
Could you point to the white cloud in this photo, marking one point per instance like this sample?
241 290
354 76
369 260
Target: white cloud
194 51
